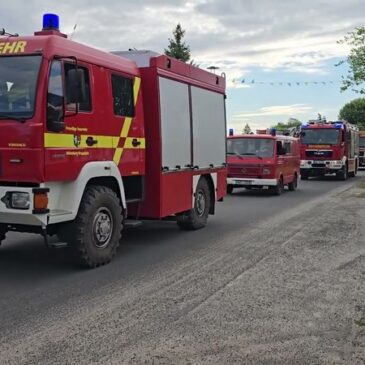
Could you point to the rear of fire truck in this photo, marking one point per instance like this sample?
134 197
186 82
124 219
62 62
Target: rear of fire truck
329 148
89 139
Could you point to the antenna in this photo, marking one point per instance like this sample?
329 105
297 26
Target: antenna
75 26
4 33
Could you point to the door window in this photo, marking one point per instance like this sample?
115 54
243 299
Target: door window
122 88
55 98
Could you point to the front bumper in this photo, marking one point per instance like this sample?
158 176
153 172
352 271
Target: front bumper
13 216
319 167
237 182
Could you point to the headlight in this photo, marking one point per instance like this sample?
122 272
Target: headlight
20 200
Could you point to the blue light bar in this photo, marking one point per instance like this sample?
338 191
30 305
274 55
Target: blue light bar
51 22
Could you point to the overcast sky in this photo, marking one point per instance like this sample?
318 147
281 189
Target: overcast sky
270 42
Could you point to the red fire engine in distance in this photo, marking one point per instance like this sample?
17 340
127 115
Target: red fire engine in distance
362 149
329 148
89 138
263 161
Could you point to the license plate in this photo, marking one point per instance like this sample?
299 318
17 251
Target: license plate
246 182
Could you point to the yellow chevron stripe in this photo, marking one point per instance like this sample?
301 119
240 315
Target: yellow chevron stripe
126 127
136 87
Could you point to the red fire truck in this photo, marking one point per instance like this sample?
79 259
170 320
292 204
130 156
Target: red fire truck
362 149
89 138
329 148
263 161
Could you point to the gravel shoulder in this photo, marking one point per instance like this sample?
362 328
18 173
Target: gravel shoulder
290 290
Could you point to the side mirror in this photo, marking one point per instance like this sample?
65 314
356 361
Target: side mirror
55 114
76 86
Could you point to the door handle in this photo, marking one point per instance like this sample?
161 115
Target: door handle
90 141
135 142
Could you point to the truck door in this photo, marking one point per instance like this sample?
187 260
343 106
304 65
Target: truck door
85 137
126 116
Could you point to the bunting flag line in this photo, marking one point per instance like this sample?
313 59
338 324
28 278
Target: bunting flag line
284 83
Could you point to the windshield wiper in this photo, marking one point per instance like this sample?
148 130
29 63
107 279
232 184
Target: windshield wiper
18 119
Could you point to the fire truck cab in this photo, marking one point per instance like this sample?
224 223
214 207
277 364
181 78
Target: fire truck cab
89 138
263 161
329 148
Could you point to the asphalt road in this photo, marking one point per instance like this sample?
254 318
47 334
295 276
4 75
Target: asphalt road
51 311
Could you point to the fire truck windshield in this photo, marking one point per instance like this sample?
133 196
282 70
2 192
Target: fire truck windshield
362 142
320 136
259 147
18 80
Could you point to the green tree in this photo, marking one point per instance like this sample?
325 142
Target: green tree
247 129
291 123
177 47
355 78
354 112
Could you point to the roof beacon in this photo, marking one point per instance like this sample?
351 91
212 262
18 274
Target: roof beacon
51 22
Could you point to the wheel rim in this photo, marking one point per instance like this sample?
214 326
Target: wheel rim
102 227
200 203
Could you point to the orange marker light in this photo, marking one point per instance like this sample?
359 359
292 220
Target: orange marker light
40 201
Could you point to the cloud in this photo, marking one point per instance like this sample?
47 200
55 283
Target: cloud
295 36
274 110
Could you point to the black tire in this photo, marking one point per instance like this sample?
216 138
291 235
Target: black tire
229 189
294 184
197 217
279 188
2 234
343 174
99 210
304 176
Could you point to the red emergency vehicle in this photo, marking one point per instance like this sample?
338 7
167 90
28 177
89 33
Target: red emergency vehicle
89 138
263 161
329 148
362 148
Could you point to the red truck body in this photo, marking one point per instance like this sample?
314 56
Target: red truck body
263 161
329 148
72 117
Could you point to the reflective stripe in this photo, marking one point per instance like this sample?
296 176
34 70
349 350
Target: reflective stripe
128 143
58 140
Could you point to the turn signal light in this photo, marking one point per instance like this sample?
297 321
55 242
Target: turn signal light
40 201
